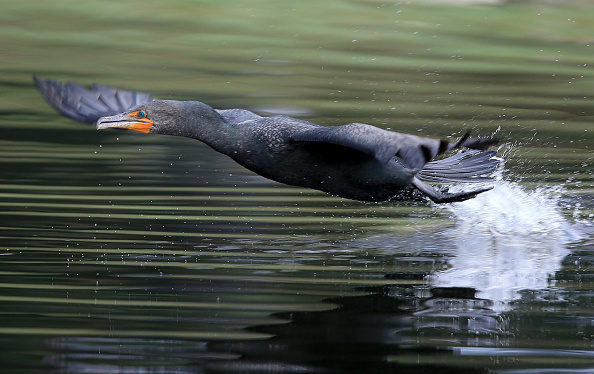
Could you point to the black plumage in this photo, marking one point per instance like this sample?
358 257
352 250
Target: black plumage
354 161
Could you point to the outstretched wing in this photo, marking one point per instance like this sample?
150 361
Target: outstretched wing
414 151
81 104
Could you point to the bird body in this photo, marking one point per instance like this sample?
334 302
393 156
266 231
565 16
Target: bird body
319 165
354 161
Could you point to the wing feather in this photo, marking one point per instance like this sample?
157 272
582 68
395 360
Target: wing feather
414 151
81 104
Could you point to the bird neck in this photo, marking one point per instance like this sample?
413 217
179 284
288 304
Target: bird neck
201 122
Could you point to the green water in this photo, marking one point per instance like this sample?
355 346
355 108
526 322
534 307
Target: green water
124 252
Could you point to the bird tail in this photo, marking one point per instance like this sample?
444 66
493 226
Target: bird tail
467 167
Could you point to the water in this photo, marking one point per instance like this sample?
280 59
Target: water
125 253
497 231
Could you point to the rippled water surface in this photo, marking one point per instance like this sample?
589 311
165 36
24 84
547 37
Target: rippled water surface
124 252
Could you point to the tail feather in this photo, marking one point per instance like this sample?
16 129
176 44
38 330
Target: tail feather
468 167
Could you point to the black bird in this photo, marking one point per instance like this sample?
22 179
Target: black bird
354 161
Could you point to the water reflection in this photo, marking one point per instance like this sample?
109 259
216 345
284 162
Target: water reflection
507 241
376 333
400 328
118 355
420 298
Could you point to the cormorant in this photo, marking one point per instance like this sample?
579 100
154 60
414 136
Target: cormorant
354 161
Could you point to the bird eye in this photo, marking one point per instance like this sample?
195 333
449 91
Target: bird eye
141 114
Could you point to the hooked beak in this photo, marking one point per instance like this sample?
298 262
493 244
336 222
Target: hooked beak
125 121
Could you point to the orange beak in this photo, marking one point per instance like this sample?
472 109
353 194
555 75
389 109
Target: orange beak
125 121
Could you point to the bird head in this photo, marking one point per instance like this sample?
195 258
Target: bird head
137 119
167 117
154 117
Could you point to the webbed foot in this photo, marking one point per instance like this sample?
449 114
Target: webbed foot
440 197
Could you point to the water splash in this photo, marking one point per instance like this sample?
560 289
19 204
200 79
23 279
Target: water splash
509 209
507 240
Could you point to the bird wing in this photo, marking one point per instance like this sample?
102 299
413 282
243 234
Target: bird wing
81 104
414 151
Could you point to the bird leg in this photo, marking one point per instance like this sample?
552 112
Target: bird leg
445 197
